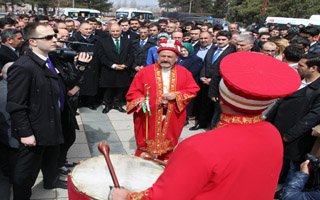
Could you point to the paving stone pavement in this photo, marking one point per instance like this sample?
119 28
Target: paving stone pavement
115 127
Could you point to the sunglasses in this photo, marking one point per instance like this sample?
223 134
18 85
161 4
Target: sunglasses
47 37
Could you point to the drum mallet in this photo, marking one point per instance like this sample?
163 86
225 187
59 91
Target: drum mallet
148 156
105 150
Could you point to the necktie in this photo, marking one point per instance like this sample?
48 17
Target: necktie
141 43
17 52
117 46
61 87
51 67
216 55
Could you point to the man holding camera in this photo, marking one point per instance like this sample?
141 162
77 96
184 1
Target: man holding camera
294 189
36 98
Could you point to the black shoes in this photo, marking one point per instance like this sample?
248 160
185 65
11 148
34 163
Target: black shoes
106 109
64 170
196 127
92 107
59 184
186 123
120 109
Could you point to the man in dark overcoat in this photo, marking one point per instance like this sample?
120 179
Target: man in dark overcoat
113 54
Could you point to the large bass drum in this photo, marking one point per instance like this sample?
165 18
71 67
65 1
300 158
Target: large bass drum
91 178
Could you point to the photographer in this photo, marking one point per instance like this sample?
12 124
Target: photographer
294 189
70 66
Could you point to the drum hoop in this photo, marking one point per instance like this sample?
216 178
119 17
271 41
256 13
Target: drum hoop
92 196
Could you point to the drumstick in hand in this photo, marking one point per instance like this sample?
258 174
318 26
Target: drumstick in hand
148 156
104 149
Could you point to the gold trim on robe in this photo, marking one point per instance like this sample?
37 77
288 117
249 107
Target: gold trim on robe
226 119
133 104
183 100
138 195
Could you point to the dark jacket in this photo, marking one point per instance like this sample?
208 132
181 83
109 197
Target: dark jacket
294 189
33 94
89 84
294 116
106 55
315 49
5 129
140 53
212 70
193 63
70 77
7 55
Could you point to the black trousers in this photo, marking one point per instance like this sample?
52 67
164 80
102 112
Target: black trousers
29 162
114 96
207 107
7 163
69 135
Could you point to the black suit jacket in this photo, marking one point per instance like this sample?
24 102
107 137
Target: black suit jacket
315 49
33 94
294 116
212 70
7 55
106 55
89 84
140 53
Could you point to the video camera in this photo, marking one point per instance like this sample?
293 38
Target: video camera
69 53
314 162
314 173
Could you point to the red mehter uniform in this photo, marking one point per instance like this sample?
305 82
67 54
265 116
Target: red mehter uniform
239 161
167 120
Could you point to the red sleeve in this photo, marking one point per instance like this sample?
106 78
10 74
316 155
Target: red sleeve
189 91
135 93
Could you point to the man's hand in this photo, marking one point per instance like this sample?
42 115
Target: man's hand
73 91
120 67
215 99
29 141
138 68
205 80
119 194
83 57
304 167
169 96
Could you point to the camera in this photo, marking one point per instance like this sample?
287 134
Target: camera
68 53
314 162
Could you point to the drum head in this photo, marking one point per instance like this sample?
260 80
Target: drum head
92 176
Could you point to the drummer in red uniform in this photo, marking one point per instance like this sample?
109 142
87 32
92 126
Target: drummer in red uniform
242 158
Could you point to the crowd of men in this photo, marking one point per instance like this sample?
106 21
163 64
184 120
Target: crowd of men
120 49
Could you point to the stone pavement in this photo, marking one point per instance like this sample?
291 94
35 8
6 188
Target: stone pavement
115 127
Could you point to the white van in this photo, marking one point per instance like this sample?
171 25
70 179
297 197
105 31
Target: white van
78 12
134 13
315 20
285 20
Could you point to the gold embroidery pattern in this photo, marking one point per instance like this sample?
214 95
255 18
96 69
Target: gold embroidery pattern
133 104
138 195
182 100
226 119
